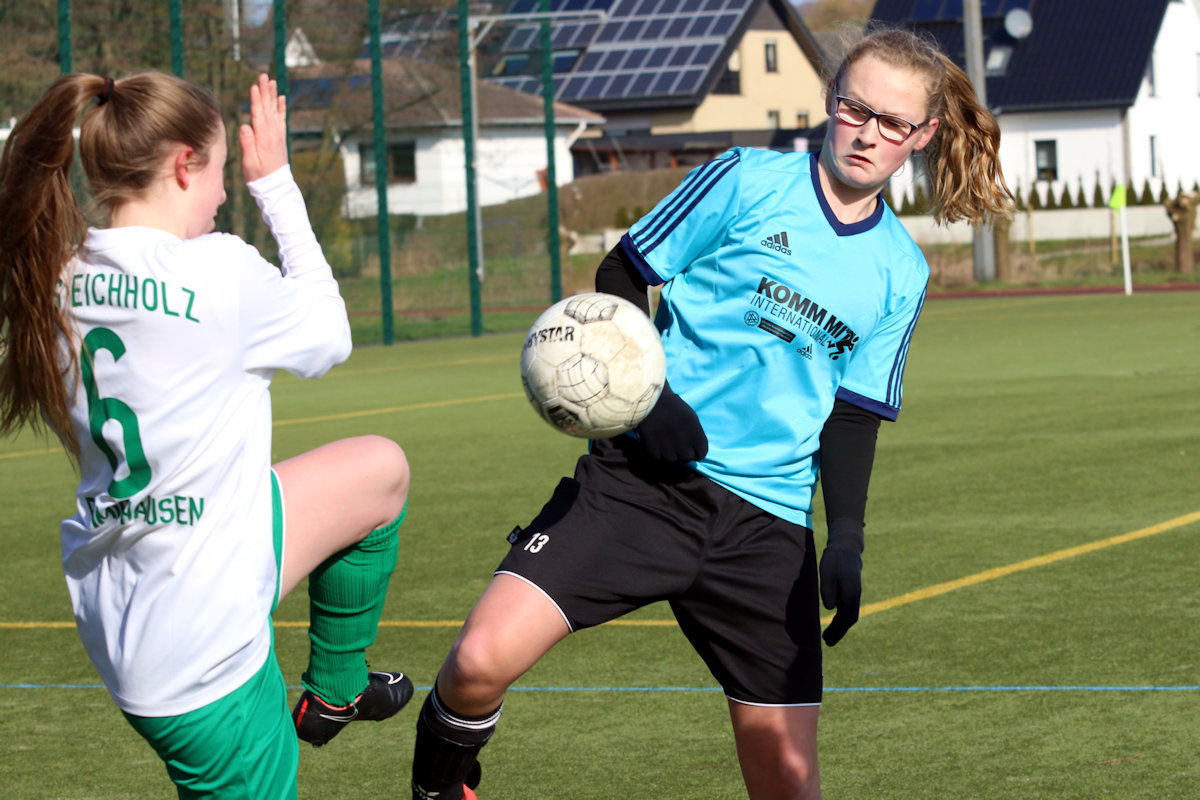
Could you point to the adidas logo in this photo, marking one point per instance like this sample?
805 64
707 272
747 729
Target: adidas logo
806 351
778 242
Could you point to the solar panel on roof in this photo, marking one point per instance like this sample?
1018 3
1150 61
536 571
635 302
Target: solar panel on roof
723 25
654 29
660 48
632 30
589 63
636 59
666 82
595 87
563 34
641 84
609 32
682 56
612 61
699 27
677 26
690 81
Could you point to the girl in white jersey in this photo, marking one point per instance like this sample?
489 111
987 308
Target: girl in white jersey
789 299
148 346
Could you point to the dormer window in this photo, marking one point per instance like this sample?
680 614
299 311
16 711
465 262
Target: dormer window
997 59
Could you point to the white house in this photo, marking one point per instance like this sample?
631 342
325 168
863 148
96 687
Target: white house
424 136
1087 92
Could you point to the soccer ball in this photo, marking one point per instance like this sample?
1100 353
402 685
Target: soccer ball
593 365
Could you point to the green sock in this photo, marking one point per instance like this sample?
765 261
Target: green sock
346 595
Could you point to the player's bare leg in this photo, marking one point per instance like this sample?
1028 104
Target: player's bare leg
336 494
343 505
511 627
777 750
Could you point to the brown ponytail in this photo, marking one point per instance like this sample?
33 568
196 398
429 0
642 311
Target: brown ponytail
127 127
962 159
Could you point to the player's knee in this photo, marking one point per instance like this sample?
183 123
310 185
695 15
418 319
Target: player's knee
386 465
795 775
475 669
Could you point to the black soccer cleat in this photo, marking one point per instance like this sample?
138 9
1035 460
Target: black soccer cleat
317 722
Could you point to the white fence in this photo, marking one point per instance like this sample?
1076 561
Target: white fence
1065 223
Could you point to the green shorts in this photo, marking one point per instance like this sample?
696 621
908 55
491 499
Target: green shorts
241 747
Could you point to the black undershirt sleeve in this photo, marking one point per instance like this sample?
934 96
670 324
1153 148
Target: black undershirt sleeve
847 455
618 275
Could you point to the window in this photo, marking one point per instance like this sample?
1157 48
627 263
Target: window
1046 159
401 163
771 53
773 119
997 59
730 81
1198 73
801 120
1153 156
1151 89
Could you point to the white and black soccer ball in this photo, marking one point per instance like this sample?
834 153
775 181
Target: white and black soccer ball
593 365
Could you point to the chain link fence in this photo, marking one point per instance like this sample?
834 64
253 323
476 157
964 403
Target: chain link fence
321 53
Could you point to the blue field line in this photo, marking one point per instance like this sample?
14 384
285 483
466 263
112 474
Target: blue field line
859 689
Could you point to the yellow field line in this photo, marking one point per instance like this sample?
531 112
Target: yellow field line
370 412
870 608
1030 563
47 451
345 372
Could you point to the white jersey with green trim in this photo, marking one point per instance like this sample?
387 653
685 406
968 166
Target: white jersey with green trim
169 557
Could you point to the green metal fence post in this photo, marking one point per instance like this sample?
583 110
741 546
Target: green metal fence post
466 61
381 174
279 8
553 242
176 14
64 36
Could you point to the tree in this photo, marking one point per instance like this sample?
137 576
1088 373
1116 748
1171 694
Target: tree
1182 211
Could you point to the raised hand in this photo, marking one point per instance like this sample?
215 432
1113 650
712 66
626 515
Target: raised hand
264 140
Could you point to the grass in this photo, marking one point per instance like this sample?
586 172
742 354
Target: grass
1031 425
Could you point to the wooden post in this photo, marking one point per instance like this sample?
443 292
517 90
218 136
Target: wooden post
1004 270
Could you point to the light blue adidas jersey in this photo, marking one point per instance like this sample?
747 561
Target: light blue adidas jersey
773 308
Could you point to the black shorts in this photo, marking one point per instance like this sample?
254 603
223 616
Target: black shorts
627 531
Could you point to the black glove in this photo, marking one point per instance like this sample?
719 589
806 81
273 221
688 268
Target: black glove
671 432
841 576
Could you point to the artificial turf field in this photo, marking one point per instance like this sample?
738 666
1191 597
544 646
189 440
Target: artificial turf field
1031 613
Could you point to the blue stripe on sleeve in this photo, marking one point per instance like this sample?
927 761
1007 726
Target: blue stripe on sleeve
895 379
690 192
647 272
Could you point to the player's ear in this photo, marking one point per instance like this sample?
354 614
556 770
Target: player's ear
181 166
926 134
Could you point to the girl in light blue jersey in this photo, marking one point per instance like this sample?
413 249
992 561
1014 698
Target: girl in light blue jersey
790 295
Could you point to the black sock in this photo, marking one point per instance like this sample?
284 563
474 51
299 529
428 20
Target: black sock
447 746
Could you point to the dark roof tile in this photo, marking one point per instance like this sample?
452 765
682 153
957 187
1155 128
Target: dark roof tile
1080 53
